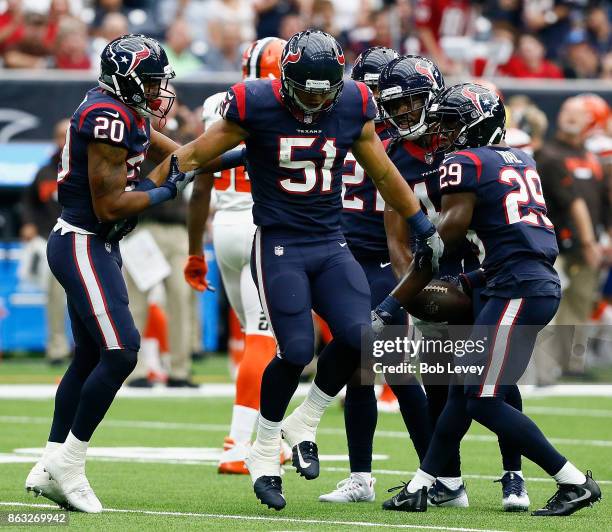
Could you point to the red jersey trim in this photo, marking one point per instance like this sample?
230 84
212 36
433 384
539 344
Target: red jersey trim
474 158
415 150
365 96
106 105
240 92
276 87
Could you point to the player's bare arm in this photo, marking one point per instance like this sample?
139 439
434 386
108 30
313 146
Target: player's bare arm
108 179
370 154
160 148
219 138
398 236
455 218
199 208
457 210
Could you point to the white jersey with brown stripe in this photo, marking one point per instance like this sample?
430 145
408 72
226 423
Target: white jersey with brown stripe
232 187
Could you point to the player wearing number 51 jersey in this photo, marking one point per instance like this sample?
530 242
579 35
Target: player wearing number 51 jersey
297 131
496 191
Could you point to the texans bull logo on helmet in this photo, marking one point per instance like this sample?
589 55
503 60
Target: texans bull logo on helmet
292 57
483 101
425 69
127 59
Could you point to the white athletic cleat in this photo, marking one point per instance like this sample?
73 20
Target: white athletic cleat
352 489
39 483
73 484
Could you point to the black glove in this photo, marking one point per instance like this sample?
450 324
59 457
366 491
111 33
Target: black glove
176 180
121 228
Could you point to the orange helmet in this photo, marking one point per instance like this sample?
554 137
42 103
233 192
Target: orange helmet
598 109
262 59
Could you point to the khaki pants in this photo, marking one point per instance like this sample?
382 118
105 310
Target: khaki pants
180 299
568 348
57 344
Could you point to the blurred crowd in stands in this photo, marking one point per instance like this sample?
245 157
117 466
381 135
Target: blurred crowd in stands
516 38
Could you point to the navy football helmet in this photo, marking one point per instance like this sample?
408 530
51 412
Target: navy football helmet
369 65
407 86
467 116
135 69
312 68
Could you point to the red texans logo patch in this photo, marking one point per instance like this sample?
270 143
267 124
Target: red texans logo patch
474 96
425 69
139 56
292 57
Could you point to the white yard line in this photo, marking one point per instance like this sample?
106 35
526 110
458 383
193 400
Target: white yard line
13 458
211 427
47 391
230 517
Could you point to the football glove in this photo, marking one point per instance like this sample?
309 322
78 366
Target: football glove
195 272
176 181
427 247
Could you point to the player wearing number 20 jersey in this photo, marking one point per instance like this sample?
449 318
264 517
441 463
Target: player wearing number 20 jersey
99 189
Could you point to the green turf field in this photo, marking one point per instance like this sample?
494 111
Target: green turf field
189 495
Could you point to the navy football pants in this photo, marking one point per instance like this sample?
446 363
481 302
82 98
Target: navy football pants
360 408
106 340
511 327
295 274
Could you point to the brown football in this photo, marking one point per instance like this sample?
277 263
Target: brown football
441 301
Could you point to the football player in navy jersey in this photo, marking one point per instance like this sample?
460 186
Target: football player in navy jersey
364 229
99 187
297 131
415 157
494 190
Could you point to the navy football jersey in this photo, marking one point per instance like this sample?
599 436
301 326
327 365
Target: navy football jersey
509 218
363 207
296 168
422 174
99 118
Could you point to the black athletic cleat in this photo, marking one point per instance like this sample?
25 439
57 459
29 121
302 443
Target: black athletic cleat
306 459
443 496
404 501
571 497
269 490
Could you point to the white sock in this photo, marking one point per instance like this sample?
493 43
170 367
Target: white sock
517 473
313 407
73 450
452 483
243 423
268 438
366 477
570 474
50 447
420 480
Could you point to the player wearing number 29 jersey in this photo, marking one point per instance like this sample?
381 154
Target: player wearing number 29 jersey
511 221
496 191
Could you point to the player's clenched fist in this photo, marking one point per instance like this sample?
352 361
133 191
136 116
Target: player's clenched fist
195 272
